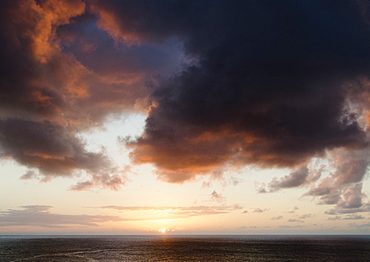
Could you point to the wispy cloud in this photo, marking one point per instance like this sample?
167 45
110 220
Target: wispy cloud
174 212
295 220
40 216
293 210
289 227
338 211
360 226
305 216
259 210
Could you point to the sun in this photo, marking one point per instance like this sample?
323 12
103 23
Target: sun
163 230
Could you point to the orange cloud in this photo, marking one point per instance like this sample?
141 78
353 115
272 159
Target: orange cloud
44 18
108 22
47 96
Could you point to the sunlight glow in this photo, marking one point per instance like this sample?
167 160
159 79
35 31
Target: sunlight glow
163 230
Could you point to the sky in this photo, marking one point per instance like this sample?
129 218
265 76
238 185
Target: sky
184 117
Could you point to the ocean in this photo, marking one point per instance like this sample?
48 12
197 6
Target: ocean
184 248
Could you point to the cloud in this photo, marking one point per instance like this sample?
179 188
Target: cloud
29 175
335 218
367 225
172 212
350 168
277 218
297 178
329 199
261 93
288 227
259 210
296 220
39 216
46 146
295 208
105 179
336 211
347 198
223 85
217 197
343 186
353 217
352 197
305 216
294 179
49 93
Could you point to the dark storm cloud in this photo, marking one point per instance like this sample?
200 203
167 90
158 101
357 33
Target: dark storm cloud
97 50
270 86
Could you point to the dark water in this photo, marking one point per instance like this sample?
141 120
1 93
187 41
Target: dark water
184 248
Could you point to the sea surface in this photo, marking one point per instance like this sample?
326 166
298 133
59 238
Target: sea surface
184 248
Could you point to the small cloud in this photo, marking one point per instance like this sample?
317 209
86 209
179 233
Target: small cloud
277 218
287 227
330 199
29 175
37 208
352 197
297 178
295 221
217 197
293 210
113 179
353 217
367 225
261 187
259 210
305 216
348 217
335 218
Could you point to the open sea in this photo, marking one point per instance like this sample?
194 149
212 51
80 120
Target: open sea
184 248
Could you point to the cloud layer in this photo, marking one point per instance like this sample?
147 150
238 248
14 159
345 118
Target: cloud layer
273 84
173 212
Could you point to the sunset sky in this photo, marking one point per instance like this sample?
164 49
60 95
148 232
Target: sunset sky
184 117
